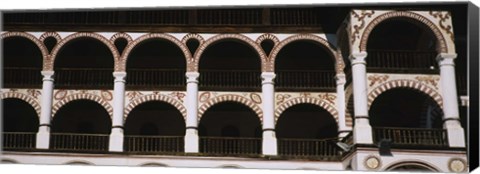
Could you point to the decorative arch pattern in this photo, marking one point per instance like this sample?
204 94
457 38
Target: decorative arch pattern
301 100
137 41
82 96
403 83
267 36
39 43
193 67
155 97
193 36
233 98
30 100
412 163
56 49
50 34
121 35
441 43
337 58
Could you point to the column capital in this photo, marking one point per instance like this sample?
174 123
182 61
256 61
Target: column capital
47 75
120 76
358 57
446 59
267 77
341 78
192 77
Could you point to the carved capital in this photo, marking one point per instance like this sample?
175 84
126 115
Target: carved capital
446 59
119 76
358 57
192 77
47 75
267 77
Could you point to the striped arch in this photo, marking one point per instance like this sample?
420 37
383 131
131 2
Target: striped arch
82 96
233 98
30 100
244 39
133 44
301 100
32 38
335 55
155 97
412 84
441 43
63 42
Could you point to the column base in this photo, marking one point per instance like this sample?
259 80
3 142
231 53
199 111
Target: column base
116 140
191 141
362 134
43 137
269 143
456 136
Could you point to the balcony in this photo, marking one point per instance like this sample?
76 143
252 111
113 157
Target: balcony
223 80
16 77
82 143
305 80
19 141
154 144
411 137
83 78
324 149
393 61
231 146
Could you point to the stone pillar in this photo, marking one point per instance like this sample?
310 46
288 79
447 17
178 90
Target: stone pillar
116 137
362 132
455 132
191 136
43 135
269 145
343 130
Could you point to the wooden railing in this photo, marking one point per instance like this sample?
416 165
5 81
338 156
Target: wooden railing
154 144
305 80
348 139
231 146
79 142
411 136
19 140
84 78
308 148
156 78
229 80
16 77
402 61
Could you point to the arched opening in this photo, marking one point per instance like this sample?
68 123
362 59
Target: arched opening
305 66
154 127
81 125
407 117
230 65
84 63
307 130
412 167
230 128
20 124
22 63
402 45
156 64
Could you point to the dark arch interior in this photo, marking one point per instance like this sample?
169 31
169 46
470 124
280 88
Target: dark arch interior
401 34
22 63
50 43
304 64
306 121
84 63
83 117
120 44
412 168
229 119
19 116
155 118
267 46
403 107
230 64
156 63
192 45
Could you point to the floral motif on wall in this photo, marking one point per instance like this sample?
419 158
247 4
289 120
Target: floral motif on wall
255 98
429 80
282 97
178 95
328 97
34 93
204 97
133 94
60 94
106 95
377 79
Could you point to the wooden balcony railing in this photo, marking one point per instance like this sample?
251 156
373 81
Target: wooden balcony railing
402 61
221 80
173 79
401 137
19 140
73 78
309 148
16 77
79 142
231 146
305 80
154 144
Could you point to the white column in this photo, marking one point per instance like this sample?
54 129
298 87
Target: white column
43 135
362 132
191 136
340 103
269 145
116 137
451 118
